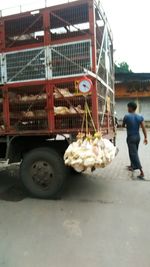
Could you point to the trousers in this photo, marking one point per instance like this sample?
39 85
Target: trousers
133 145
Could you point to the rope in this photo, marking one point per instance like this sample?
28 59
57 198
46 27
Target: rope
85 120
86 112
89 112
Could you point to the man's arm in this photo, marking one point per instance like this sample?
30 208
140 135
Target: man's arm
144 132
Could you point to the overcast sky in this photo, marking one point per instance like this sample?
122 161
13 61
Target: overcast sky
129 20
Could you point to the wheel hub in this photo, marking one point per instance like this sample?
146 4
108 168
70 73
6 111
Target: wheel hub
42 173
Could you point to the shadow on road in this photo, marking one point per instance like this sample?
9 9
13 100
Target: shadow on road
81 187
11 188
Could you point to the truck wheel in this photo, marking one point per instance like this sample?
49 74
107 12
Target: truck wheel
43 173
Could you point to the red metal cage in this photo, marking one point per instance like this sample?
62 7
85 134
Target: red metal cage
43 56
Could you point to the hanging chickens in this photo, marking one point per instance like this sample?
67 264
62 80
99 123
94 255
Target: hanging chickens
89 152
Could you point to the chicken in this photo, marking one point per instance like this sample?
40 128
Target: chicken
89 152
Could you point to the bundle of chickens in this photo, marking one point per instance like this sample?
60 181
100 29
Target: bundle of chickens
62 110
59 92
24 98
33 97
89 152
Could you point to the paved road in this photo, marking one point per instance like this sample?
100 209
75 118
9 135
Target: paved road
102 220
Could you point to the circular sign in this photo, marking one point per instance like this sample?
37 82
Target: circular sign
85 86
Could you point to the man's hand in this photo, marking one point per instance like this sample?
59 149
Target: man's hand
144 132
145 141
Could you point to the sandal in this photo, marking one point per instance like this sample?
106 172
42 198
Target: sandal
130 168
141 177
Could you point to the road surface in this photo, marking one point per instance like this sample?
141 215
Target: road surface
102 220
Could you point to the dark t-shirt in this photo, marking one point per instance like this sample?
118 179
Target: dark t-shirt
132 122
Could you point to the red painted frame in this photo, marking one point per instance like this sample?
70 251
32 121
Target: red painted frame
49 84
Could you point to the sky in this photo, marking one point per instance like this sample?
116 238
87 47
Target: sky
129 21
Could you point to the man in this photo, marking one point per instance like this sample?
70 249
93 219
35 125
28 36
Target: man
133 122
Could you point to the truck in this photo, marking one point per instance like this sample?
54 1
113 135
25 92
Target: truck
47 56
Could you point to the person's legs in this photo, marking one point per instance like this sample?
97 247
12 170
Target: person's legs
141 176
131 149
137 144
133 144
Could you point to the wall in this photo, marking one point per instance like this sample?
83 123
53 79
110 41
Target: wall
141 96
143 107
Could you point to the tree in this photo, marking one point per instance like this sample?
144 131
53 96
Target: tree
122 67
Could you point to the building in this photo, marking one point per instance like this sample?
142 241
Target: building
133 86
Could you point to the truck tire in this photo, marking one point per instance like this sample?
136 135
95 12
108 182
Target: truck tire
43 173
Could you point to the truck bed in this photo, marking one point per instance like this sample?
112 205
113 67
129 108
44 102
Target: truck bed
43 109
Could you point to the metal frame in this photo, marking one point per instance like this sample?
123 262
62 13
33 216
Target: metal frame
47 59
69 60
49 81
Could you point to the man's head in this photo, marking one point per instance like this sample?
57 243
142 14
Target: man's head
132 106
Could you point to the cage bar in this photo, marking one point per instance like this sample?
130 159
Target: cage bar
43 56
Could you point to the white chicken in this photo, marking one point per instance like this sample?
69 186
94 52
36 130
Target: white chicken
89 152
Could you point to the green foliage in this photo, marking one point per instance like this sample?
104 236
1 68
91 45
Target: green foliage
122 67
